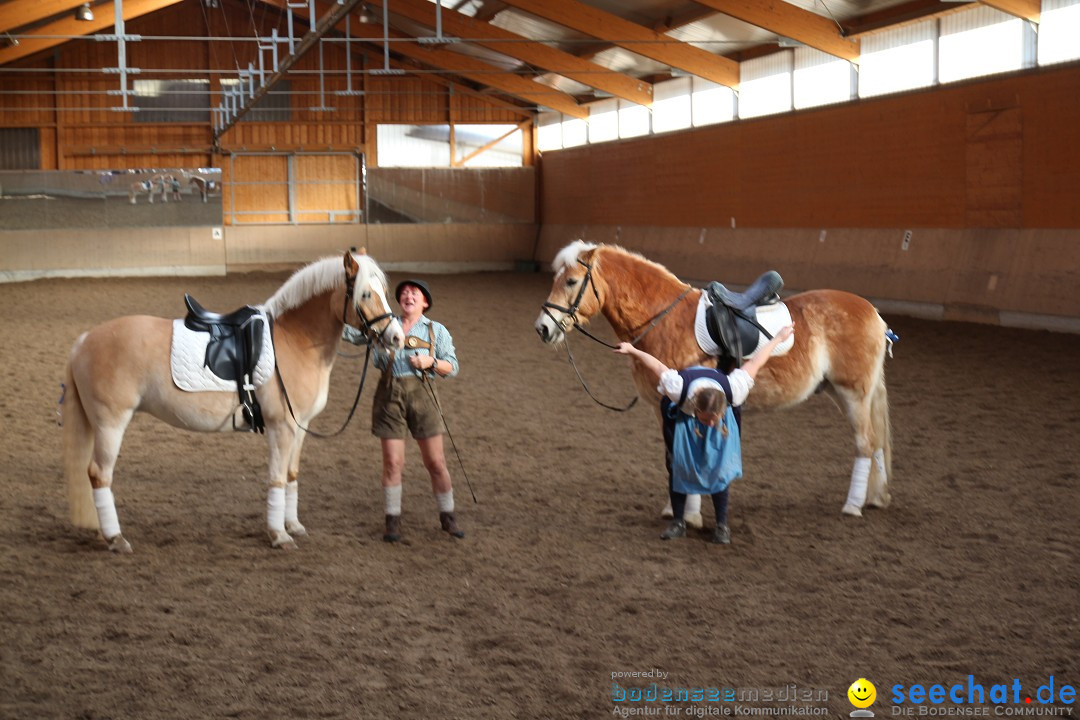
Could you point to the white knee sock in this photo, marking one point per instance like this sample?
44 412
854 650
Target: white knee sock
275 509
860 475
393 499
106 509
292 501
445 501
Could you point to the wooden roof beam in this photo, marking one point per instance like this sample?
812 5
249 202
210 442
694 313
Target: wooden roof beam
1026 9
529 51
793 22
633 37
104 16
14 15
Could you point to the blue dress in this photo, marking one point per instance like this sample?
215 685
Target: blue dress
703 461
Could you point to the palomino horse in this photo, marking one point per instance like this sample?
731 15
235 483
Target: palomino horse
839 347
123 366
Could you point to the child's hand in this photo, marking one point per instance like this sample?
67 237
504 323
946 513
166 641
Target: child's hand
786 332
624 348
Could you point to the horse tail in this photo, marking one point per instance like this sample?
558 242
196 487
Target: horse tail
882 427
78 452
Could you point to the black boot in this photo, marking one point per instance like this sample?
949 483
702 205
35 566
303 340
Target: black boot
449 524
677 529
393 528
721 535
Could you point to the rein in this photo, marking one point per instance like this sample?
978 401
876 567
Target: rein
571 312
368 328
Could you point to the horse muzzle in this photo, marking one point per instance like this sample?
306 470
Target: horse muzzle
393 336
550 331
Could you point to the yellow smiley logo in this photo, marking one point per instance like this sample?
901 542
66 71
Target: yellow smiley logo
862 693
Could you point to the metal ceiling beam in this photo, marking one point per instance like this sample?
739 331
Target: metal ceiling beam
633 37
790 21
103 18
526 50
1026 9
468 67
14 15
324 25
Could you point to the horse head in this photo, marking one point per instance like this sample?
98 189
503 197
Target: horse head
365 286
575 295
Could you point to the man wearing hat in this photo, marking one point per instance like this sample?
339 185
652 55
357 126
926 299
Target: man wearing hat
405 402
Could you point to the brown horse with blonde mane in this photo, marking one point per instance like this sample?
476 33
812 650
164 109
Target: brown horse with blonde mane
839 347
124 366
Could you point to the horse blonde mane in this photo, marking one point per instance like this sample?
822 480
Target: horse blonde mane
321 276
568 257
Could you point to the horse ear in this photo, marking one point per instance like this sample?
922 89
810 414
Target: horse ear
351 266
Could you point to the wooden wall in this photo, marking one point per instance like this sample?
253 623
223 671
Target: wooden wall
88 134
984 173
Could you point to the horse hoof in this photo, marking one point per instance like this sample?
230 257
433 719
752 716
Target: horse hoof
694 520
666 513
880 503
119 545
296 529
852 510
281 540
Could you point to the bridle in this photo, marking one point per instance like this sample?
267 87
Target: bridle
366 326
571 313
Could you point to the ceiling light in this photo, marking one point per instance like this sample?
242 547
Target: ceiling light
84 13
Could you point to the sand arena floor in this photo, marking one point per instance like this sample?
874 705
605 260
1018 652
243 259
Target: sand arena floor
562 580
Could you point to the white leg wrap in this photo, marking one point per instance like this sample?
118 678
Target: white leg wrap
393 499
879 461
275 509
106 510
292 501
445 501
693 505
860 475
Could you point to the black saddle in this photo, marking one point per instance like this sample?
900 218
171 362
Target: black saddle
235 345
732 319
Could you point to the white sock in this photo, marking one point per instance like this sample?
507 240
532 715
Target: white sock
860 475
292 501
275 509
393 499
445 501
106 509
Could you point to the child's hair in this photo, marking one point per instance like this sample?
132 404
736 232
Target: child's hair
711 401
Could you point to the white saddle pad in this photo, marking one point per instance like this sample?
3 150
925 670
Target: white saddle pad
771 317
189 353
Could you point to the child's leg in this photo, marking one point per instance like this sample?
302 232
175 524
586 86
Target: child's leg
721 535
720 503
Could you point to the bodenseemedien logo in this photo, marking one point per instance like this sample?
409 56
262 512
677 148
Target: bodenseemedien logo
861 694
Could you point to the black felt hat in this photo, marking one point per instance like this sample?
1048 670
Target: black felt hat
415 283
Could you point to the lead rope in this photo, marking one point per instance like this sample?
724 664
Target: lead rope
642 334
288 404
438 406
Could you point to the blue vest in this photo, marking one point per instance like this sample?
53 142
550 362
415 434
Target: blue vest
703 461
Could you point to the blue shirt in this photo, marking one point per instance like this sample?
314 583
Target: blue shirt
427 330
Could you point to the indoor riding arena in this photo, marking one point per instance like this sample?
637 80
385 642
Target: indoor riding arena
921 155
